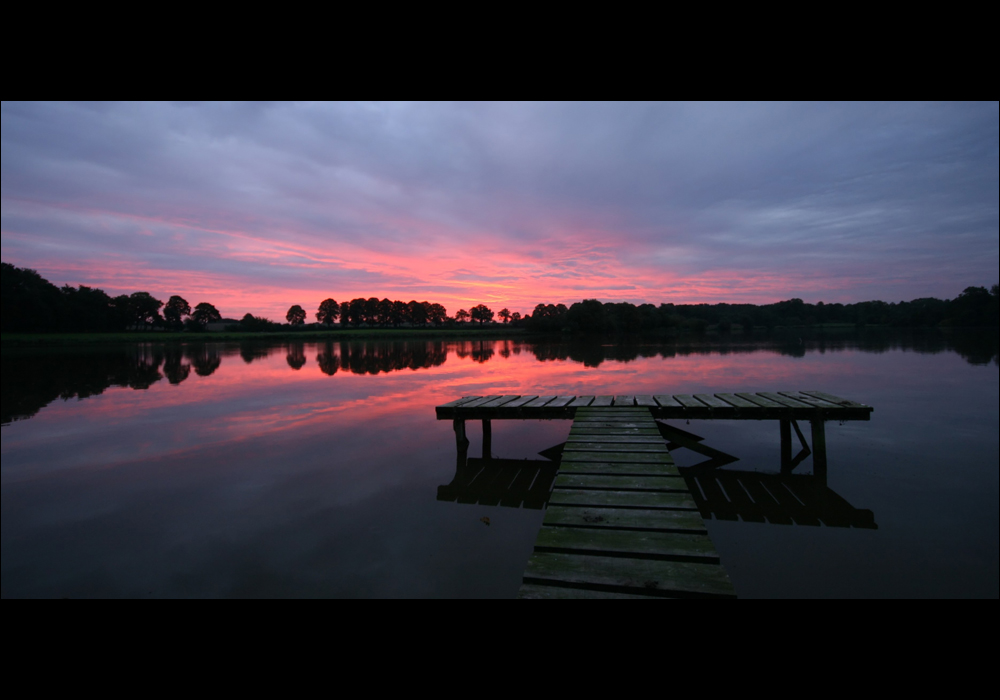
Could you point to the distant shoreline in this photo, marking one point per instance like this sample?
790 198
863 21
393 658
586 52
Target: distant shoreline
50 339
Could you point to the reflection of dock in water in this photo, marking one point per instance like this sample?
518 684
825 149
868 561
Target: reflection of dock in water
622 519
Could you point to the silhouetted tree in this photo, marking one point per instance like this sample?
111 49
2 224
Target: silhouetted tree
515 317
462 316
329 312
345 313
418 313
204 313
144 310
504 315
176 308
481 313
296 316
437 314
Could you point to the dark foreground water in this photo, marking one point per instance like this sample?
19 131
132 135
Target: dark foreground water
303 470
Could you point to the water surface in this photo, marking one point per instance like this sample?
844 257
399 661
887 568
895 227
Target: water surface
298 470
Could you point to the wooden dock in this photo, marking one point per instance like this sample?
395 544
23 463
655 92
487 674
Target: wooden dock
622 521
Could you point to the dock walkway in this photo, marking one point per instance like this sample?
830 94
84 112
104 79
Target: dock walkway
620 520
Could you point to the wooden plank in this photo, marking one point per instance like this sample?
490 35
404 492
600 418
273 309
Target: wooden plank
661 469
615 411
560 402
582 402
503 400
624 424
809 400
835 399
459 402
615 575
624 401
603 401
667 401
623 499
540 402
529 592
611 518
688 401
647 401
736 401
618 457
613 432
479 402
666 484
523 401
759 401
712 402
782 400
639 545
620 447
615 439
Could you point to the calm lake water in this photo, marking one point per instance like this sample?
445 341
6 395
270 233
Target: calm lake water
301 470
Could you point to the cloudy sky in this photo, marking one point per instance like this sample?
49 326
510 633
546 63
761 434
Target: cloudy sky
255 207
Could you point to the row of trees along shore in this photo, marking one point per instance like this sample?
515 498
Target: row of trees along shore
31 304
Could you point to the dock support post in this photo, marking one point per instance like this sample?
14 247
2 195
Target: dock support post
487 439
460 439
786 447
819 450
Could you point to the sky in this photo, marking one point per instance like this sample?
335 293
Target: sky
256 207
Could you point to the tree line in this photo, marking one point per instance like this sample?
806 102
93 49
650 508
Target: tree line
32 304
975 307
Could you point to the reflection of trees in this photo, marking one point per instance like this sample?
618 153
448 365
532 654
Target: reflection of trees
205 359
32 381
296 357
482 351
328 361
256 351
174 367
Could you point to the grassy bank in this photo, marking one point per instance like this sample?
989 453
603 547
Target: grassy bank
312 336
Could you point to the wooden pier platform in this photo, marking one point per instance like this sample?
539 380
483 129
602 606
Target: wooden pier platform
622 521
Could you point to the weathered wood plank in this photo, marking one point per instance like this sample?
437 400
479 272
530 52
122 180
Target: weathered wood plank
523 401
809 400
712 402
667 401
479 402
582 402
623 499
612 518
688 401
573 455
835 399
624 401
529 592
610 543
540 402
759 401
616 575
618 447
666 484
612 432
459 402
647 401
497 403
615 439
603 401
782 400
661 469
615 411
623 424
560 402
736 401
